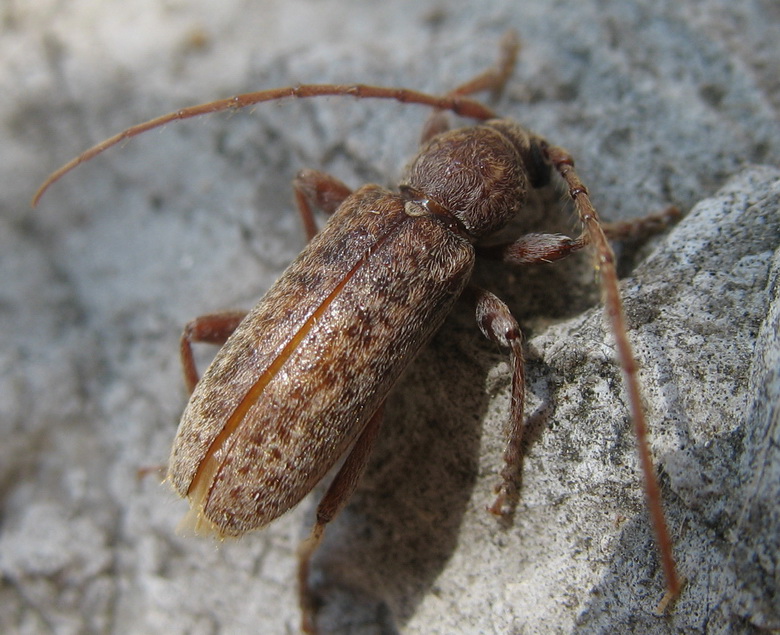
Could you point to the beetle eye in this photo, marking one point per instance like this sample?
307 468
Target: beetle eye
538 165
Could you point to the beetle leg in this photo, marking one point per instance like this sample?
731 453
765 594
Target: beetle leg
496 77
493 79
498 325
436 123
332 503
320 190
214 328
529 249
639 229
534 248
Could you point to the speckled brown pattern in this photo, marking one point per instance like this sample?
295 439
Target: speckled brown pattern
327 342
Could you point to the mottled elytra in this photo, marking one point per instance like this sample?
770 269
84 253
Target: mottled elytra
301 380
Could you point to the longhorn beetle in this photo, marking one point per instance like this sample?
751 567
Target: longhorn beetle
301 379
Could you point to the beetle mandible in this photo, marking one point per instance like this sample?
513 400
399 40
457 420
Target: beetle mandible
301 379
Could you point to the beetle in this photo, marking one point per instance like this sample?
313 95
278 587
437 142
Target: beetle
301 380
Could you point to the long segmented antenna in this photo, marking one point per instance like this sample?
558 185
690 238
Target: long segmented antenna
454 103
613 306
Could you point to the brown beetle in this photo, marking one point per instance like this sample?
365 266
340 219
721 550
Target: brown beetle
302 378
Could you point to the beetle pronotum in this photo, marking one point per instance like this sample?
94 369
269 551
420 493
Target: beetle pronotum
302 378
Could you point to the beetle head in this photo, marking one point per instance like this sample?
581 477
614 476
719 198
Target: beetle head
480 174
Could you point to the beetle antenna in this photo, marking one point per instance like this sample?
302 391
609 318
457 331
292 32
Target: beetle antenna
460 105
593 233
